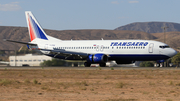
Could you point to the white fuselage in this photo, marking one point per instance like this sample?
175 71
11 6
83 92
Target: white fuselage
118 48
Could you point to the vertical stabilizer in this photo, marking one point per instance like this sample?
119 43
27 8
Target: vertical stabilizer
35 30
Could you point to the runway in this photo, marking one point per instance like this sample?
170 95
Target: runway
90 83
93 68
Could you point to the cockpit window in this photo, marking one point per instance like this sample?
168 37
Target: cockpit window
164 47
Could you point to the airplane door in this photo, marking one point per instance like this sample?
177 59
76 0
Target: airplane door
102 48
151 45
97 48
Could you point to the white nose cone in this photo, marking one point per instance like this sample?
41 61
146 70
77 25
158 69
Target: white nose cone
172 52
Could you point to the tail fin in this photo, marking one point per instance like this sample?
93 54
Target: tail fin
35 30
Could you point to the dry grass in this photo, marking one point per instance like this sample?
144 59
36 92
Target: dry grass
98 85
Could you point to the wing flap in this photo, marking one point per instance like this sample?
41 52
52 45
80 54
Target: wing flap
67 54
70 52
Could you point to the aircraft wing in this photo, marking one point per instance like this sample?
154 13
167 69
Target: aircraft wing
68 54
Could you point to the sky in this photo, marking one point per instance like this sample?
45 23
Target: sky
88 14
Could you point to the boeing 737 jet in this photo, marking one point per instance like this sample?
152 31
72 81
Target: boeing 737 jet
95 51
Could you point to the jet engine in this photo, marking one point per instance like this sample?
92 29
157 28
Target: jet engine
97 58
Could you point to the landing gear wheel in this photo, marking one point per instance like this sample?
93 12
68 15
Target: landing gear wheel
158 65
86 64
102 64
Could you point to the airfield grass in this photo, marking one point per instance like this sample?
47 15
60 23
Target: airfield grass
89 85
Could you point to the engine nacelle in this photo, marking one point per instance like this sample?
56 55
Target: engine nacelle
97 58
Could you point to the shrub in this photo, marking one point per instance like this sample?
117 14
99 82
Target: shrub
120 85
176 59
53 62
84 83
146 64
35 81
5 82
26 81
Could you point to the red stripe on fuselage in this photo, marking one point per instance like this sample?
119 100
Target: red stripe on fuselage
31 32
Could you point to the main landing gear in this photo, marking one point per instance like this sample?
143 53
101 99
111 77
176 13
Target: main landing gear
86 64
102 64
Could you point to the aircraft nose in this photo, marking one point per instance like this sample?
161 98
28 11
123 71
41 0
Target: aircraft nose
173 52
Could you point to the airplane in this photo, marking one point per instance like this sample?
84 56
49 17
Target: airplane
94 51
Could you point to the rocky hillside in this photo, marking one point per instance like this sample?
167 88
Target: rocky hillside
151 27
21 34
172 38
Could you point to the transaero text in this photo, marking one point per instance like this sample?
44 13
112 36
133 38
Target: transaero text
129 43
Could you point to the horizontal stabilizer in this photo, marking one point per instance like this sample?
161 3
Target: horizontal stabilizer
27 43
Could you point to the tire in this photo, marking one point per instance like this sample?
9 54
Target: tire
86 64
102 64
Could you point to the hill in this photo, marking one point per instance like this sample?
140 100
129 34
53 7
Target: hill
172 38
21 34
150 27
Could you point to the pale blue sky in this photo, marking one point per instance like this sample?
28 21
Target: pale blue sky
88 14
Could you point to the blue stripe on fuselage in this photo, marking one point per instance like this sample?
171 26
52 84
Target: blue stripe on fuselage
138 57
133 57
